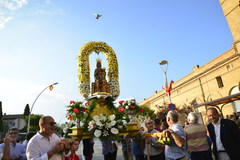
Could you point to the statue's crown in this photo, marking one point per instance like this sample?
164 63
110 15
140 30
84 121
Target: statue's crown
98 60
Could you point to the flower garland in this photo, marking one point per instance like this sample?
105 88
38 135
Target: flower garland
83 67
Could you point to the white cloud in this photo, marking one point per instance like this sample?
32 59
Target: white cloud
3 21
13 4
48 1
8 7
43 12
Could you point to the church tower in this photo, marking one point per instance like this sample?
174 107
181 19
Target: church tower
231 10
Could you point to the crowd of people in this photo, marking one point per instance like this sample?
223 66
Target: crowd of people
219 140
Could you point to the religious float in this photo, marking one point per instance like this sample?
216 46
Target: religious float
98 116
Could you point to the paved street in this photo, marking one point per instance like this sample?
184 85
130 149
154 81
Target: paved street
98 151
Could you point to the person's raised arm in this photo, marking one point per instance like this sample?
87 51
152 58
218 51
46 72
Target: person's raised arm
178 140
6 151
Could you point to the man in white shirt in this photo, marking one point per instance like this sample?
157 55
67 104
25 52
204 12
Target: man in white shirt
151 148
46 144
225 136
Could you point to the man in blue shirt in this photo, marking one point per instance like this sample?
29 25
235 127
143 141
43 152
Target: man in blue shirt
176 149
17 151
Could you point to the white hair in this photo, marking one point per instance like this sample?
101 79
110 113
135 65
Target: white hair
192 117
173 115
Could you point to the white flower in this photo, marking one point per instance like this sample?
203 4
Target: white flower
104 118
107 125
99 123
112 123
105 133
114 130
127 107
96 118
97 133
124 122
90 126
112 117
65 129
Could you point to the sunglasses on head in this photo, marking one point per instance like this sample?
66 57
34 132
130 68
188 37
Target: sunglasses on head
51 123
13 133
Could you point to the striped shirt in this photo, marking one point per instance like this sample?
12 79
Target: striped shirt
196 137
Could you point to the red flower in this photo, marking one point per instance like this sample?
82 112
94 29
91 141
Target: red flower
69 117
131 106
76 110
141 110
121 109
87 104
85 110
72 102
121 102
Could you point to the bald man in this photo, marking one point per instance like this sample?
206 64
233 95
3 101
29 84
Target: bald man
46 144
225 136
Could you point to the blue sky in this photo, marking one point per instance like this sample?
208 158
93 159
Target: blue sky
40 41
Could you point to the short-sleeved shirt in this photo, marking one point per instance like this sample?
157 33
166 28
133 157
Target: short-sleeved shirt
196 137
153 151
173 150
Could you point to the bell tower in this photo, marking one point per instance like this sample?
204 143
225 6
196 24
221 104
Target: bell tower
231 10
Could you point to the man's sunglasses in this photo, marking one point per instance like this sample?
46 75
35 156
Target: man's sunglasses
51 123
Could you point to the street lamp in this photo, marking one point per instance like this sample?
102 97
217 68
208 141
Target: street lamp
29 116
162 63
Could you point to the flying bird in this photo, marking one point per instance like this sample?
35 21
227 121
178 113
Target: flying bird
97 16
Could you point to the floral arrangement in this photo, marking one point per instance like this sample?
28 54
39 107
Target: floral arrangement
84 71
77 110
130 109
105 127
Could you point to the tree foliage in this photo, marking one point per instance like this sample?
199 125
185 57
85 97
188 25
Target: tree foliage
26 111
33 123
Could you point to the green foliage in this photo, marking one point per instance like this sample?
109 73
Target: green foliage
148 112
126 112
76 110
91 106
58 129
34 126
26 111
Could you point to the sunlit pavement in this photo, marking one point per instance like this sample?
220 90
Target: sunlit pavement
98 151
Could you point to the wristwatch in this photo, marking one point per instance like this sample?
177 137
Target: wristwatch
152 144
171 131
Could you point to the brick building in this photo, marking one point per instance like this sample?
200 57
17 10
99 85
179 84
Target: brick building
217 79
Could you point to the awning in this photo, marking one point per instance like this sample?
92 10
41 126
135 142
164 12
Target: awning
223 100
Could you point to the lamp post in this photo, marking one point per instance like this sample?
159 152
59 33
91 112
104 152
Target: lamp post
29 116
162 63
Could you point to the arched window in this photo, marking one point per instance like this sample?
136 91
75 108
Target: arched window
236 104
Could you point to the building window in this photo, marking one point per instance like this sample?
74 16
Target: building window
219 82
236 104
228 67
